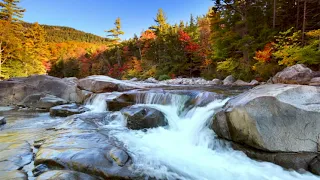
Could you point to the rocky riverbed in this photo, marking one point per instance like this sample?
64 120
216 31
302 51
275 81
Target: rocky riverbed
102 128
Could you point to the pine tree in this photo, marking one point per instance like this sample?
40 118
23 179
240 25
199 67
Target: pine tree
9 10
115 33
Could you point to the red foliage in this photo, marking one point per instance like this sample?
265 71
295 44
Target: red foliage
184 37
117 71
266 54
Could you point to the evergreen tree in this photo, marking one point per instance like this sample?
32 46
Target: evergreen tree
115 33
10 11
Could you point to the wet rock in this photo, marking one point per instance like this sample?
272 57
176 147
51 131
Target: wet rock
119 156
13 175
14 155
229 80
14 90
314 166
143 117
216 82
151 80
297 74
86 121
315 81
241 83
41 101
84 151
275 118
296 161
100 84
67 110
41 168
65 175
2 120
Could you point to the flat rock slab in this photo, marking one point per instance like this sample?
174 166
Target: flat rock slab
65 175
86 151
67 110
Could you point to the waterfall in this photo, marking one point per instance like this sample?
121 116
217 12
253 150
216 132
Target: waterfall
97 102
189 150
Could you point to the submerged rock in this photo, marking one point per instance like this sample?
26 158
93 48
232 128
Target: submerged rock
65 175
67 110
275 118
297 74
143 117
13 175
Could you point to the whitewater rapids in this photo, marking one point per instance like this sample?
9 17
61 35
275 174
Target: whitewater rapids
188 149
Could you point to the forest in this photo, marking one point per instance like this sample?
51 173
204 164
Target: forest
250 39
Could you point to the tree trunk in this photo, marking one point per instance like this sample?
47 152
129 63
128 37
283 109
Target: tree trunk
274 14
304 21
298 14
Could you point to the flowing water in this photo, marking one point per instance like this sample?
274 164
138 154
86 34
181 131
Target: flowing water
187 148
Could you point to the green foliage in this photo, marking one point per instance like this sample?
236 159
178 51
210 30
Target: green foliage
163 77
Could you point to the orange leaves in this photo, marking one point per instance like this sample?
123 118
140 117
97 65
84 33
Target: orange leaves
184 37
148 35
266 54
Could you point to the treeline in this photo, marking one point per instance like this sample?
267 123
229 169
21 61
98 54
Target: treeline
250 39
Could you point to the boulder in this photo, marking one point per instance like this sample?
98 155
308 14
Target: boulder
315 81
273 118
2 120
229 80
15 90
297 74
85 151
65 174
254 82
314 165
241 83
216 82
67 110
143 117
151 80
99 84
41 101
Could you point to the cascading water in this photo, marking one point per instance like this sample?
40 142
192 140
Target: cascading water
188 149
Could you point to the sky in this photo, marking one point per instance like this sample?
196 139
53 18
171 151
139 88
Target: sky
95 16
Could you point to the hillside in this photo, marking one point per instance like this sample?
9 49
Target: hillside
59 34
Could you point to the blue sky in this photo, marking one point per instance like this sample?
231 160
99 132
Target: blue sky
95 16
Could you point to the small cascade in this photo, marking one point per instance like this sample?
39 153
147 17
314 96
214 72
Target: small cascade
97 102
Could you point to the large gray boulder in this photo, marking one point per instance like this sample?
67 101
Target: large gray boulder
315 81
99 84
297 74
143 117
15 90
274 118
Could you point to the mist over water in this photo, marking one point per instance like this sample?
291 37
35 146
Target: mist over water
188 149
